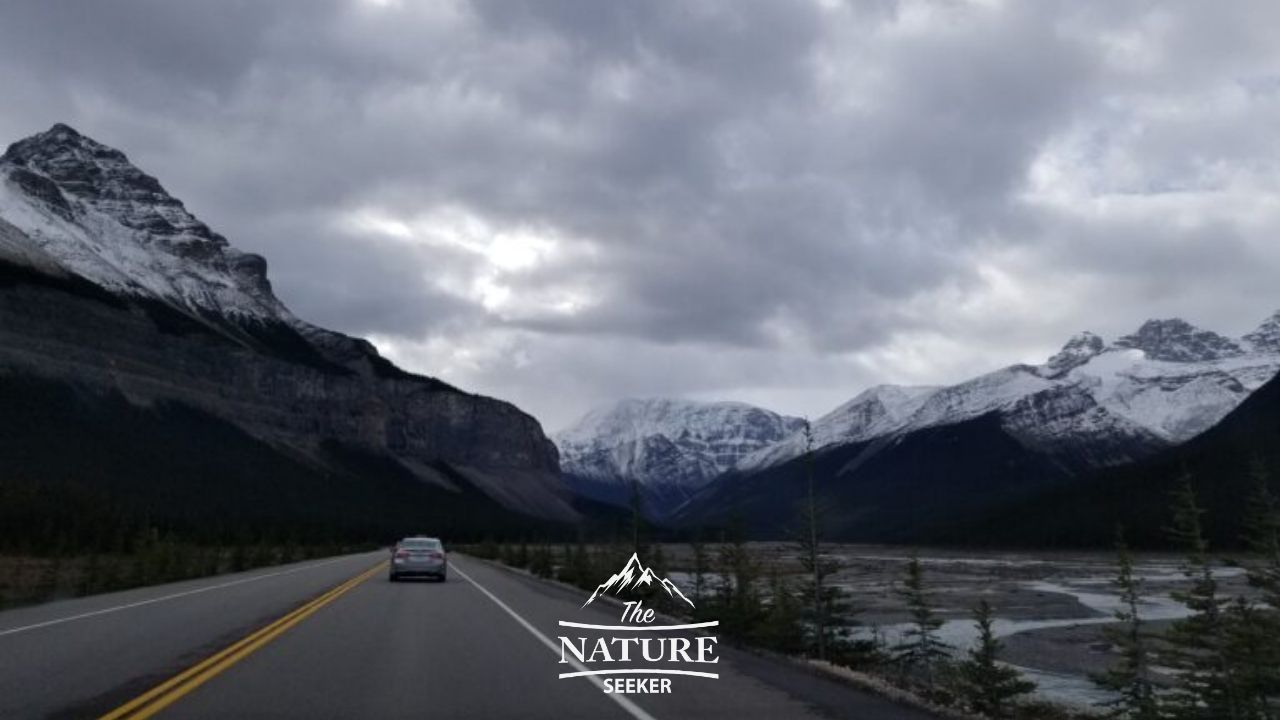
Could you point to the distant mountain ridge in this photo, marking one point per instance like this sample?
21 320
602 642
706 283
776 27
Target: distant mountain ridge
1092 404
914 464
1165 383
667 448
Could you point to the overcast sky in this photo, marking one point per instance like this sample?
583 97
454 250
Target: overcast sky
562 203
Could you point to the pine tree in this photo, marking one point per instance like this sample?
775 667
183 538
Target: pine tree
699 550
1253 630
738 600
920 649
779 629
1197 642
540 561
827 612
581 563
988 687
1262 536
564 568
1251 655
1130 677
657 559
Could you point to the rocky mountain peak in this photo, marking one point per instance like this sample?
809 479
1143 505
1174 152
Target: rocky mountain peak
1266 338
668 441
1078 351
81 169
85 205
1176 340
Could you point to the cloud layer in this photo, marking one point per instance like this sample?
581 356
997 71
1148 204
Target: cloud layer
562 203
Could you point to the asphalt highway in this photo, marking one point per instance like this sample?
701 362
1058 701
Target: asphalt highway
335 639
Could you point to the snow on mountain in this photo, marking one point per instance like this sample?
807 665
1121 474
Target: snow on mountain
1177 340
92 213
1161 385
874 412
668 446
1099 404
1266 338
1081 348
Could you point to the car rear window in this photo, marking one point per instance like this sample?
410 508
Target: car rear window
420 544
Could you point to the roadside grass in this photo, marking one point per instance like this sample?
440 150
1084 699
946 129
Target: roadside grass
31 579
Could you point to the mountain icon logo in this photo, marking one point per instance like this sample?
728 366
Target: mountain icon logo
635 575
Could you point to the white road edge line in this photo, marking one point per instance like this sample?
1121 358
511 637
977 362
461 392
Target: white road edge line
689 626
635 710
174 596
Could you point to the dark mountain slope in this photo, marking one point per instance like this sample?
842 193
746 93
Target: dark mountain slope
1085 513
81 464
897 489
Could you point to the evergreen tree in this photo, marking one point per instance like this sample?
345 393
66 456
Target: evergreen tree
1197 643
778 630
540 563
738 599
1251 655
699 550
564 568
920 649
488 548
581 564
1262 536
1130 677
827 612
1253 631
988 687
657 559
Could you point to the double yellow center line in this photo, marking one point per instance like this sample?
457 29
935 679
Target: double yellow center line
169 691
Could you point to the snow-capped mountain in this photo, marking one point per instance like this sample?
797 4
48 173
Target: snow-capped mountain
635 575
949 464
108 284
877 411
669 447
92 213
1161 385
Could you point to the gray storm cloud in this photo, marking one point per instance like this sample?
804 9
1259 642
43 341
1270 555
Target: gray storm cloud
562 203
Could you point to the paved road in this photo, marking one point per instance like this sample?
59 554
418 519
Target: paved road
467 648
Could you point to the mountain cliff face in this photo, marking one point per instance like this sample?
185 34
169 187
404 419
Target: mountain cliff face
669 448
109 285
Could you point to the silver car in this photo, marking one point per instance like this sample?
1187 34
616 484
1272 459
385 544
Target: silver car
423 556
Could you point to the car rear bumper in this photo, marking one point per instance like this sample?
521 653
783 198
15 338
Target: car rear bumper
407 568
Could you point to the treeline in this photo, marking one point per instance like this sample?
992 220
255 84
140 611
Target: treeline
1221 662
145 560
